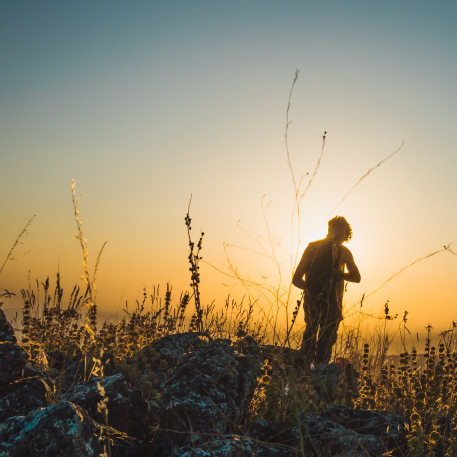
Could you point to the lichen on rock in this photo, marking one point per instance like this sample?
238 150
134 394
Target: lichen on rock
207 395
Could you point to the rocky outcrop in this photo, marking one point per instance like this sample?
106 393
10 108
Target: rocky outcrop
235 446
326 438
12 362
24 395
6 329
157 360
337 431
173 347
261 430
207 395
286 354
22 388
389 428
63 430
128 411
326 377
340 431
205 389
72 374
30 372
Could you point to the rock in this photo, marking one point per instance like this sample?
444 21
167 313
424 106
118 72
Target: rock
171 348
6 329
71 375
286 354
23 396
261 430
325 379
328 438
340 431
63 430
128 411
149 368
208 393
159 357
58 360
30 372
390 428
236 446
154 414
69 370
12 361
109 368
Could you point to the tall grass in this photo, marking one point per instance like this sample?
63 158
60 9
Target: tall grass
59 331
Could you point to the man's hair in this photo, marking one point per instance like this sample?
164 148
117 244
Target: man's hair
340 224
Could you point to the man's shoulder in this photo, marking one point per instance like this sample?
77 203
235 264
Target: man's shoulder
345 251
315 244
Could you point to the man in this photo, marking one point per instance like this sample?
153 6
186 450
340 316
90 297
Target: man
323 264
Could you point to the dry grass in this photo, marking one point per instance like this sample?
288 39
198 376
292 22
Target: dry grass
58 332
424 393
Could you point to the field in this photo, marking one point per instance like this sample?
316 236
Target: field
419 384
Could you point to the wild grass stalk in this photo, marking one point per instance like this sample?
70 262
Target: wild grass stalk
276 300
16 243
56 333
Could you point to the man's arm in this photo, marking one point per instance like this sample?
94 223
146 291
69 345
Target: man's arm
302 267
353 274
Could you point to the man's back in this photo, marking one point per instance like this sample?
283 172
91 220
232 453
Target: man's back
322 270
323 264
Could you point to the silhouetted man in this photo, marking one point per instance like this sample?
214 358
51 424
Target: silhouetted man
323 265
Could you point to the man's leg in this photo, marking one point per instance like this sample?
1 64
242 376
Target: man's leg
327 338
308 346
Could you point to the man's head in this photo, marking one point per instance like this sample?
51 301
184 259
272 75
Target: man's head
339 229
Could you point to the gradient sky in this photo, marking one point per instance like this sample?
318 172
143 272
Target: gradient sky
145 103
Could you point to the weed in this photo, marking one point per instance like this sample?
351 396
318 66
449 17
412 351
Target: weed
56 334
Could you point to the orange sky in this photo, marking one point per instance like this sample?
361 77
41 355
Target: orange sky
151 103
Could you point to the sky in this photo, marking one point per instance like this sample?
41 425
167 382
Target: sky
145 104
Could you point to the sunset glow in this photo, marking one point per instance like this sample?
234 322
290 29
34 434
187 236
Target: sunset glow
144 104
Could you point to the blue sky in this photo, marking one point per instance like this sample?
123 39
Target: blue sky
144 103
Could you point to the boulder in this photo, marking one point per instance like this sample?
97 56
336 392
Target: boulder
326 438
68 370
30 372
341 431
59 360
156 360
326 377
390 428
173 347
6 329
261 430
63 430
286 354
12 361
128 411
236 446
24 395
207 395
323 377
72 374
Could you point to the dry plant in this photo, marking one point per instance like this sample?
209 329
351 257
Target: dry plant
17 242
279 302
75 347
